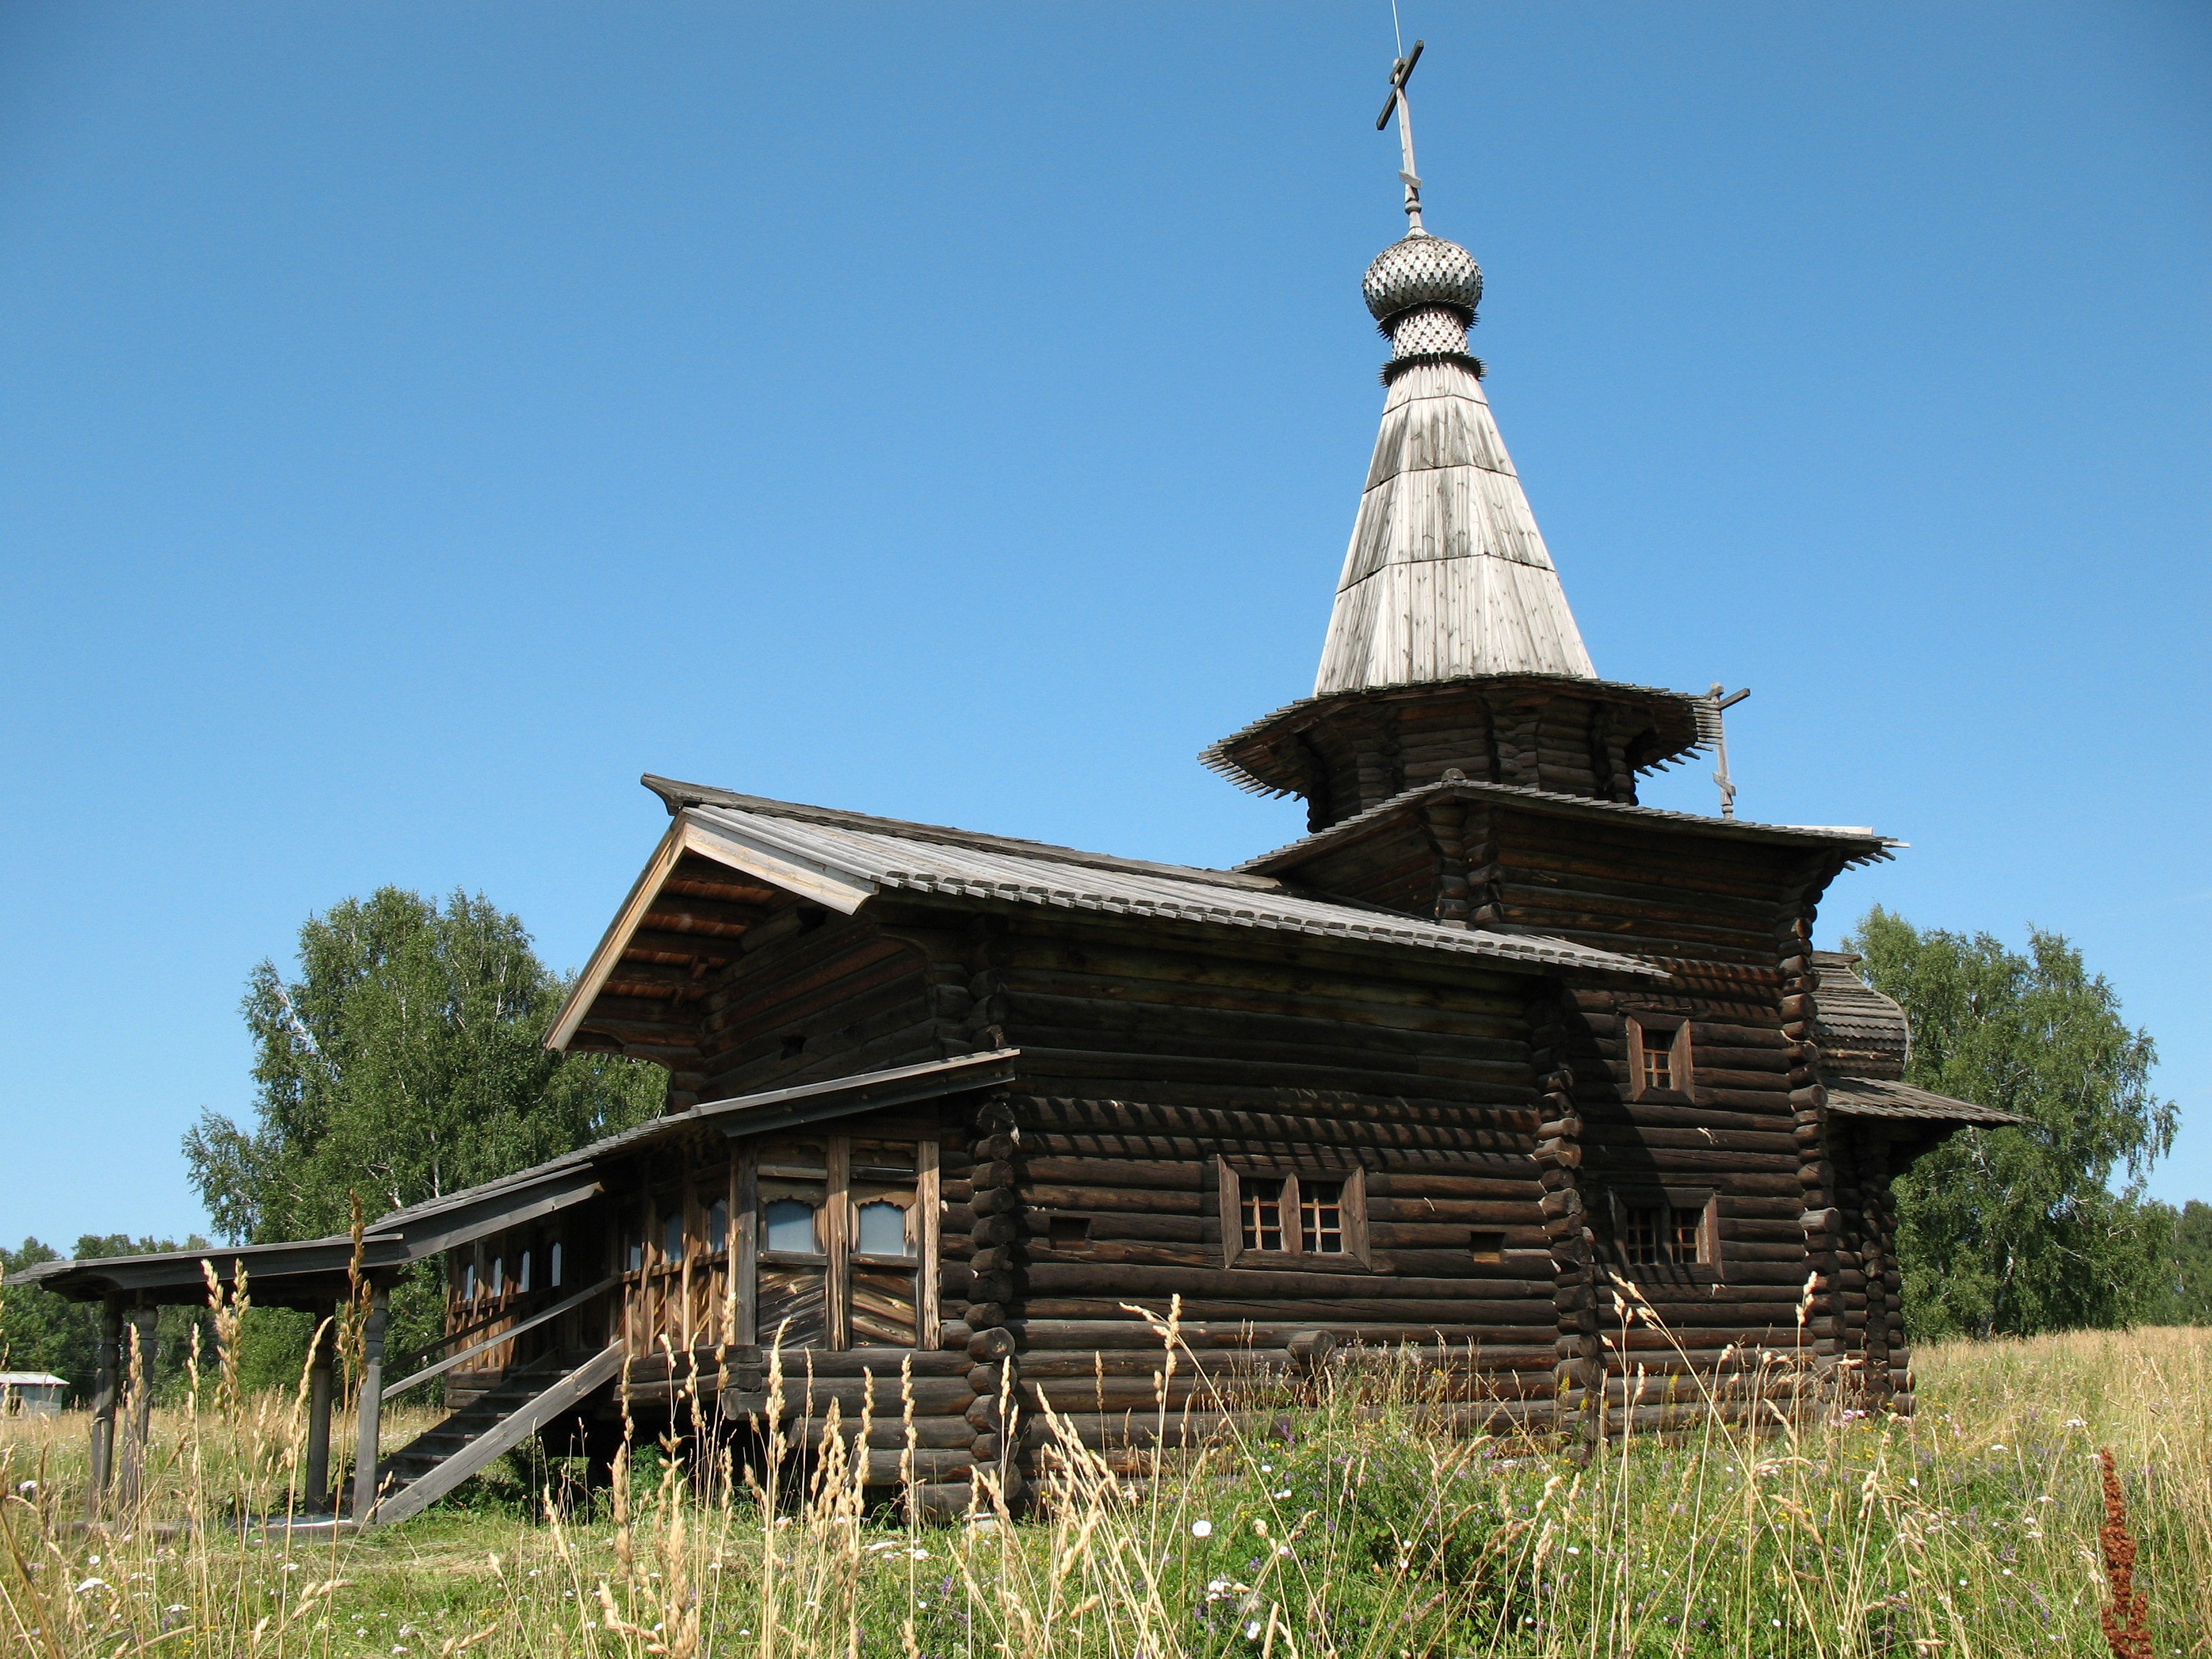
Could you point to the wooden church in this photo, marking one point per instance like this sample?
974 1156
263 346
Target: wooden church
1490 1035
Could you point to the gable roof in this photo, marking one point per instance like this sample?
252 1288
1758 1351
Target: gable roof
844 859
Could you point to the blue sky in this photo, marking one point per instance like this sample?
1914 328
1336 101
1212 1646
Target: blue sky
417 420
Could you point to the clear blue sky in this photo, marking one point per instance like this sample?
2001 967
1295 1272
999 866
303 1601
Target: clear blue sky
416 421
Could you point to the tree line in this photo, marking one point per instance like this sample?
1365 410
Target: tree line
406 1061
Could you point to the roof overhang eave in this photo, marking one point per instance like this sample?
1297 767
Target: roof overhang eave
823 883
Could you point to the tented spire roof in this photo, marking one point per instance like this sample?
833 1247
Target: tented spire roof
1447 574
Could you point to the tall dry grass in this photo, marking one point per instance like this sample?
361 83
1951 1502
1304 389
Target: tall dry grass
1349 1522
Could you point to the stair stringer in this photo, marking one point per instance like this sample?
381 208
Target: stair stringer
509 1432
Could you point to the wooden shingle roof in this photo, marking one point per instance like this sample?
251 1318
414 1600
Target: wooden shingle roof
1447 574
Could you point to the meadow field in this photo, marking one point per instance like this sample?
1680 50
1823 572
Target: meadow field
1342 1521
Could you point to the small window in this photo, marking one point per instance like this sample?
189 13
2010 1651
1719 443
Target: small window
499 1275
1650 1231
1658 1058
1069 1232
636 1254
1487 1247
1644 1234
553 1266
672 1236
522 1276
1263 1213
468 1282
882 1230
790 1226
1321 1217
718 1225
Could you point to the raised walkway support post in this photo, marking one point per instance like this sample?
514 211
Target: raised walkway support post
103 1406
138 1398
317 1492
372 1399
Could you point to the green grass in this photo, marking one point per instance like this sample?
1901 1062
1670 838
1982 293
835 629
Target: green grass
1366 1530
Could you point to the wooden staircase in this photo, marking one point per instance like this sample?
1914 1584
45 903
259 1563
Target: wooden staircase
431 1465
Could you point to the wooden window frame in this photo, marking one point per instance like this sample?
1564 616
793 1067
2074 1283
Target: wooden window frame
1672 1033
1357 1250
839 1256
1671 1202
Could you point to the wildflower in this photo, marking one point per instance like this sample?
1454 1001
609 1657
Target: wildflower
1252 1630
1198 1529
26 1488
91 1584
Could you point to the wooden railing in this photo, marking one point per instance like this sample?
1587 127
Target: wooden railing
507 1334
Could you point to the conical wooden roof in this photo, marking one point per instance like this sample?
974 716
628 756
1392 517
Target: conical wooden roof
1447 574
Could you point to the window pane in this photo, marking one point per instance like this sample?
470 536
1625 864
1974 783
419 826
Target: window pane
498 1275
553 1267
468 1282
791 1227
1658 1061
1320 1203
1263 1213
1688 1232
522 1277
672 1236
882 1230
1643 1233
718 1225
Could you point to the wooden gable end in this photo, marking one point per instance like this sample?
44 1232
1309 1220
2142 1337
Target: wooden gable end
736 984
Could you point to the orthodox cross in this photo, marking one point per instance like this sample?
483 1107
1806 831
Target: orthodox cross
1401 71
1715 732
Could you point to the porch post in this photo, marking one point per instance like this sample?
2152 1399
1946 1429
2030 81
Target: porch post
103 1405
139 1394
318 1491
372 1399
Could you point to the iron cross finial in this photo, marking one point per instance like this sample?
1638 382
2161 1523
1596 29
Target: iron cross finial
1401 71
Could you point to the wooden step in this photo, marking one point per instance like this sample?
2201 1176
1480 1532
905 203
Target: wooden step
434 1462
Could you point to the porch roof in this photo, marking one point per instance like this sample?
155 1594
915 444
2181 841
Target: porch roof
315 1272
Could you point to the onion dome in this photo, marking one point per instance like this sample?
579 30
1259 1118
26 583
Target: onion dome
1422 270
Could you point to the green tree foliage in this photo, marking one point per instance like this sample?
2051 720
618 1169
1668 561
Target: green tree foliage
406 1062
41 1331
2013 1231
2185 1297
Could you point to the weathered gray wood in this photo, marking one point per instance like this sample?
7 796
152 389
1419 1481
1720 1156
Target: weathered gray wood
105 1375
369 1411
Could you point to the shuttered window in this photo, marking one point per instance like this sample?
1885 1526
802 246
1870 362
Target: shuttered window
843 1255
